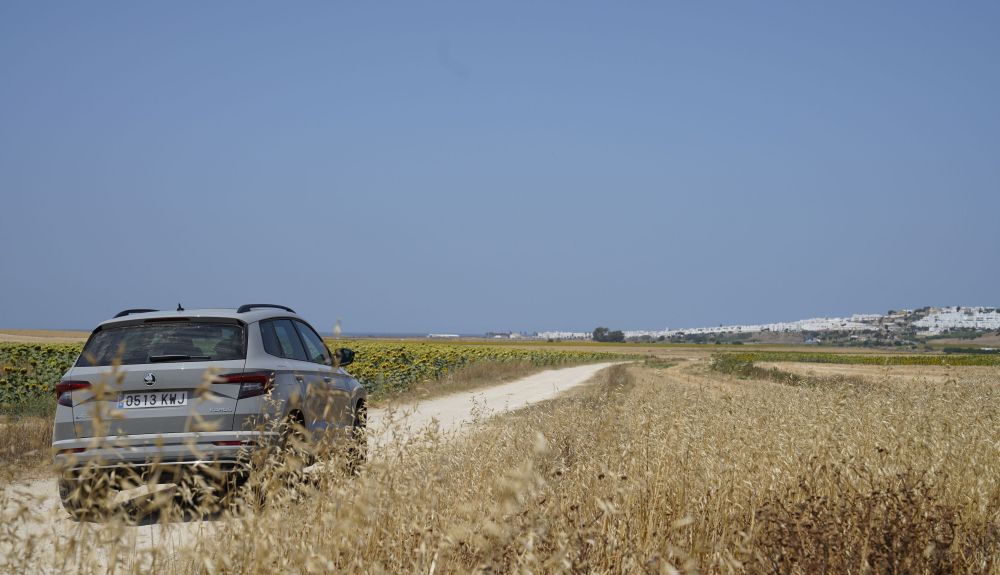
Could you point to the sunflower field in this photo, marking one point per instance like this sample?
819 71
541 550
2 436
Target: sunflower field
396 365
29 372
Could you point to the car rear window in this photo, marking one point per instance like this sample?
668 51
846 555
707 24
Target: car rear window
165 342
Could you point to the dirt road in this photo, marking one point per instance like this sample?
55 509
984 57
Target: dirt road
33 512
451 413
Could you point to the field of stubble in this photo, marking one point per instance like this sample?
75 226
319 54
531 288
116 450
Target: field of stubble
649 470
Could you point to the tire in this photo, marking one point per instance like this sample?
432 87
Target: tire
293 446
203 495
357 451
84 499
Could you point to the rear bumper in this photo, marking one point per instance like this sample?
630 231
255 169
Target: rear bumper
222 450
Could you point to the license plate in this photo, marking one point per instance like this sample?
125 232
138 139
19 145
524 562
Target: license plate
152 399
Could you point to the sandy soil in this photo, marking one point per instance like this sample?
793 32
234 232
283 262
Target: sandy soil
899 373
42 336
451 414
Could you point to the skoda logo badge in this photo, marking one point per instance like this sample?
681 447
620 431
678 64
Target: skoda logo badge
150 379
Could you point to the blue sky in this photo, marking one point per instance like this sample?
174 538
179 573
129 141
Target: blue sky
468 166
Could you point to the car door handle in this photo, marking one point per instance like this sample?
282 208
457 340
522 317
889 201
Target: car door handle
328 379
300 379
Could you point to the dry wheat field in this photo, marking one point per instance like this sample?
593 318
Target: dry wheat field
653 467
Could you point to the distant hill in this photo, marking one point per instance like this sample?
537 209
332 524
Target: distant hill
895 327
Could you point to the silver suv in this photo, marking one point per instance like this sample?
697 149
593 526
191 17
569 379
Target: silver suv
159 396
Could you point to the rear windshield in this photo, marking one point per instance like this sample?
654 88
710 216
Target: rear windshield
165 342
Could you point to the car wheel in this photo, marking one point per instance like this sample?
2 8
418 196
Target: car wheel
84 499
293 446
357 451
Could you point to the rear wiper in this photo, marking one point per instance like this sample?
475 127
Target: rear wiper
176 357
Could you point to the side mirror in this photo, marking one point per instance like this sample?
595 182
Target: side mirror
343 356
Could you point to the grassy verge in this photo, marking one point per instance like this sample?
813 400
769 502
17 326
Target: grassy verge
654 362
739 366
31 406
26 428
25 446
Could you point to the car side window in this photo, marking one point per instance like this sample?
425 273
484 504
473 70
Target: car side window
267 335
315 349
288 340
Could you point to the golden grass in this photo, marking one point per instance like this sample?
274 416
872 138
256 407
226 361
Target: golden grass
646 473
650 470
25 446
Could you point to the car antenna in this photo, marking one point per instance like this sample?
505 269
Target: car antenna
179 308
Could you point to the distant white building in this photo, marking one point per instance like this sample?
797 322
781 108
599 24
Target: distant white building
937 321
564 335
949 318
634 333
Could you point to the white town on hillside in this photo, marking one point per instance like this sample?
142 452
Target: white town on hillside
931 321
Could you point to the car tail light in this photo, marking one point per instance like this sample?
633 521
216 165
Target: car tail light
63 389
252 383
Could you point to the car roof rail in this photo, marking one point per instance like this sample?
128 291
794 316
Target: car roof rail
250 306
126 312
